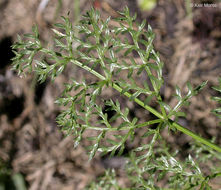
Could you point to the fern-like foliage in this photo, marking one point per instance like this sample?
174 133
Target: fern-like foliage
104 53
108 52
157 168
217 111
107 182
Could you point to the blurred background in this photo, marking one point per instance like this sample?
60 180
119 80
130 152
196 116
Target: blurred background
34 153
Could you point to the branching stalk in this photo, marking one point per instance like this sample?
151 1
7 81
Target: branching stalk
152 110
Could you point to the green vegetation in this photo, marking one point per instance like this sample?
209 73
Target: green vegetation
107 52
10 181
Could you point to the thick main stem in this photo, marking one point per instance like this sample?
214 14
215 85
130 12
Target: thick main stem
152 110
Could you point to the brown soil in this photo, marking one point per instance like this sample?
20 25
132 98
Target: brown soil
30 141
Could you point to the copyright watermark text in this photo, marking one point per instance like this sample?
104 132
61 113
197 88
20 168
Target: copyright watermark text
199 5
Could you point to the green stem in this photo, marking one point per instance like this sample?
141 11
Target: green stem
83 66
148 123
76 11
195 136
124 128
152 110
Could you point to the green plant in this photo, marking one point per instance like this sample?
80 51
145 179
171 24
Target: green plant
147 5
10 181
217 111
106 52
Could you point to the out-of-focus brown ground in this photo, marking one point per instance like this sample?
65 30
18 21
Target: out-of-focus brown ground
30 141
